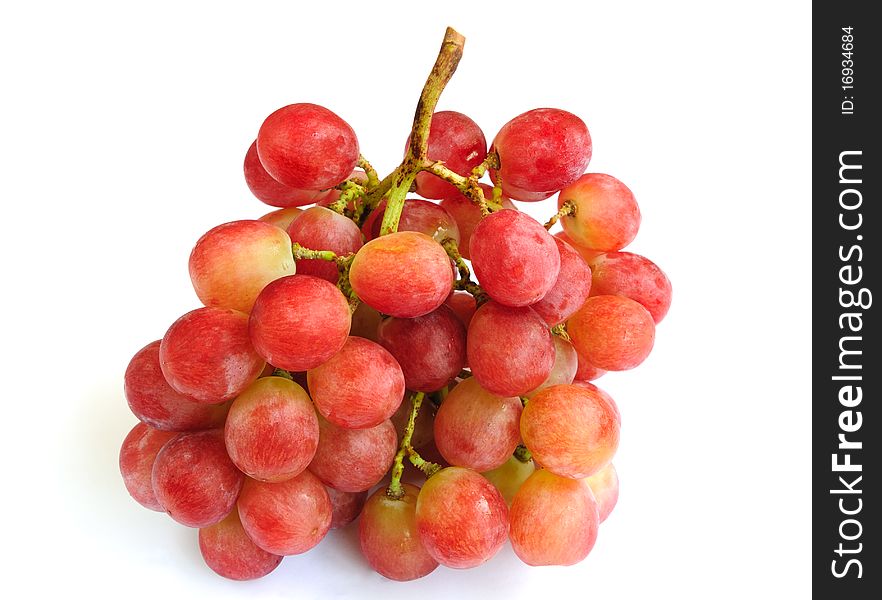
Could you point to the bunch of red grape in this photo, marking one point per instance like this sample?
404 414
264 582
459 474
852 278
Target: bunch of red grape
341 341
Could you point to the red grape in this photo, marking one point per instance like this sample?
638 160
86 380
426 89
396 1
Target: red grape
136 458
194 480
417 215
154 401
404 274
430 349
461 518
614 333
607 216
272 431
207 356
554 520
285 518
233 262
270 191
388 535
631 275
306 146
586 371
540 152
510 476
281 218
587 254
570 289
467 215
605 486
459 143
320 228
464 305
566 364
572 431
510 350
353 460
515 259
345 506
230 553
360 386
299 322
477 429
366 322
613 407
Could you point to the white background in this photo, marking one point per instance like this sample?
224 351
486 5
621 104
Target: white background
122 133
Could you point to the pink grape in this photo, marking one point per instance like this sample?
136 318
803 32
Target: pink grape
136 458
388 536
566 365
281 218
587 254
285 518
207 356
154 402
417 215
366 322
515 259
570 289
586 371
354 460
467 215
307 146
607 216
613 407
320 228
510 476
430 349
464 305
230 553
633 276
299 322
540 152
477 429
461 518
269 191
459 143
405 274
272 432
614 333
194 480
510 350
605 486
571 431
554 520
233 262
360 386
345 506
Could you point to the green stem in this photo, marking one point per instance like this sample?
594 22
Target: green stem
522 454
491 161
561 331
417 152
283 373
567 208
395 490
370 171
301 253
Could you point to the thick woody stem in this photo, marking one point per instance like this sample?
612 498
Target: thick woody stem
416 155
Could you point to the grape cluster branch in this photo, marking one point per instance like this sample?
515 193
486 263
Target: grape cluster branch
429 468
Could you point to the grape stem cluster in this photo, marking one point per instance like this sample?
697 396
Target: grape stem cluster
358 197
